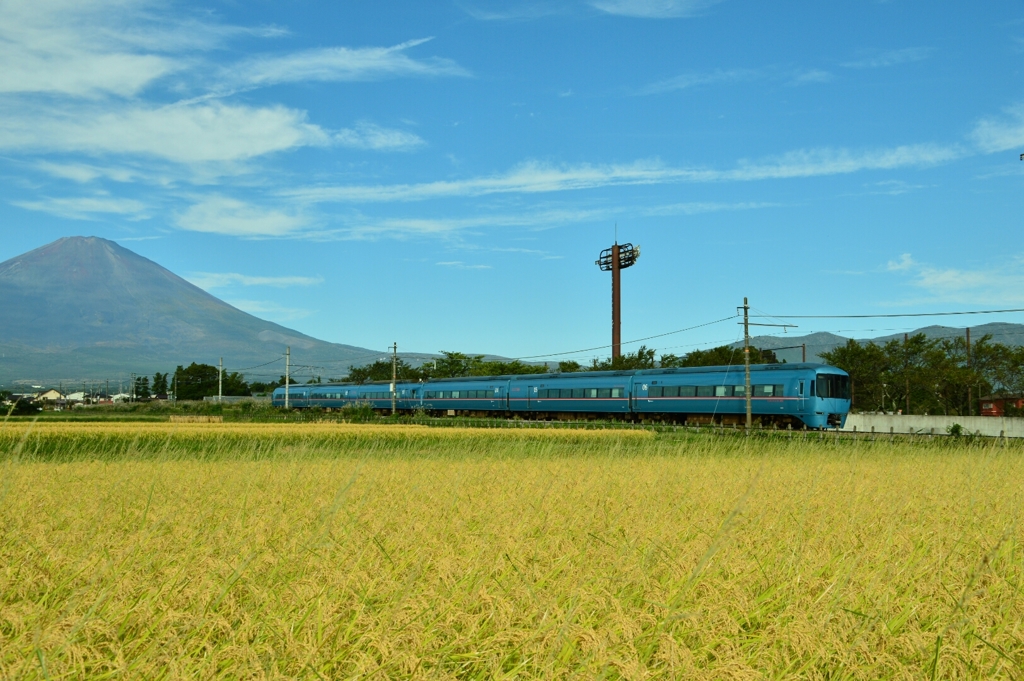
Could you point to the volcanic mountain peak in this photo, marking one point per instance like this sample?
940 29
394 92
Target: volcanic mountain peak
86 306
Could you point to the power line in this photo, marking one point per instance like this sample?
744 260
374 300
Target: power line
887 316
638 340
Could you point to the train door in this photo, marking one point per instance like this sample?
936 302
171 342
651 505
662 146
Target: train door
531 396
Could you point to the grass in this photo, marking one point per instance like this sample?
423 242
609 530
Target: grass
326 551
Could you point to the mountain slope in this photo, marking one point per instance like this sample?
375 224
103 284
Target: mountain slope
87 308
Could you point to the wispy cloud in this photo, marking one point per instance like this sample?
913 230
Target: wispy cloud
87 207
997 284
535 177
212 280
696 208
223 215
1000 133
905 262
880 59
458 264
689 80
654 9
367 135
489 10
811 76
194 133
270 310
338 64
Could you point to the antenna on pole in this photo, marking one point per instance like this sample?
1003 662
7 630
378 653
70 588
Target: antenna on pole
614 260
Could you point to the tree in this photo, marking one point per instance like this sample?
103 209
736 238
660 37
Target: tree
725 355
866 365
195 382
381 371
160 385
570 366
142 388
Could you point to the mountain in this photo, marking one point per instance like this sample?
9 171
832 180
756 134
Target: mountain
84 308
817 343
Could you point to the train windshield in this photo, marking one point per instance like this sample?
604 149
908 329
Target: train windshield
834 385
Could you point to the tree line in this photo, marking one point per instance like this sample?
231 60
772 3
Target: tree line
919 375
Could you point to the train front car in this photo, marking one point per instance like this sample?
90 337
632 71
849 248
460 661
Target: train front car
782 395
830 396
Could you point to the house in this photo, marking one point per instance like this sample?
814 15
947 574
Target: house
995 405
50 395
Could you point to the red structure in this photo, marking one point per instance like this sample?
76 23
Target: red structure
614 260
995 405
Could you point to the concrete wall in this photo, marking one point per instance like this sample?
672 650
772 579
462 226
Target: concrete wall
991 426
235 399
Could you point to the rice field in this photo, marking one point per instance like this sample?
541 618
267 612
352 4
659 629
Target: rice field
325 551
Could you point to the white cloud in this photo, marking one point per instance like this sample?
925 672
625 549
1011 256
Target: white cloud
269 310
370 136
998 284
688 80
534 177
222 215
185 133
906 262
84 172
653 9
210 280
993 135
86 208
879 59
338 64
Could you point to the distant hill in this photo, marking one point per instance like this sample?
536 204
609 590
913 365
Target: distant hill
84 308
817 343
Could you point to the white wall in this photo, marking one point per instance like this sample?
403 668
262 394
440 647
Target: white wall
985 425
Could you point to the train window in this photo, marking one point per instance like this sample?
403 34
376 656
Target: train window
455 394
604 392
687 391
723 391
670 391
834 386
578 392
617 392
565 392
739 390
764 390
591 392
705 390
654 391
811 392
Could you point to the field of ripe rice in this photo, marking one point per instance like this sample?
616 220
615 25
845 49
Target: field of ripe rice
324 552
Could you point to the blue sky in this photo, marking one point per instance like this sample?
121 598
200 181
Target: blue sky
444 174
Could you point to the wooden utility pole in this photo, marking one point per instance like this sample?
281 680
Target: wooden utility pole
394 378
746 361
906 371
970 377
287 374
616 302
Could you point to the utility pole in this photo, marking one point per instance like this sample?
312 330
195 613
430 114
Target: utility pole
287 373
803 352
394 378
906 371
131 394
970 403
220 381
108 391
746 361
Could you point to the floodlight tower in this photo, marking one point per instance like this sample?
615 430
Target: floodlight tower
614 260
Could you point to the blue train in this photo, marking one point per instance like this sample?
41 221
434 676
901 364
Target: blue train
796 395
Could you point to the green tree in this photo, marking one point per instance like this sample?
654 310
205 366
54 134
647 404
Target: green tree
866 364
160 384
724 355
196 381
142 388
381 371
570 366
